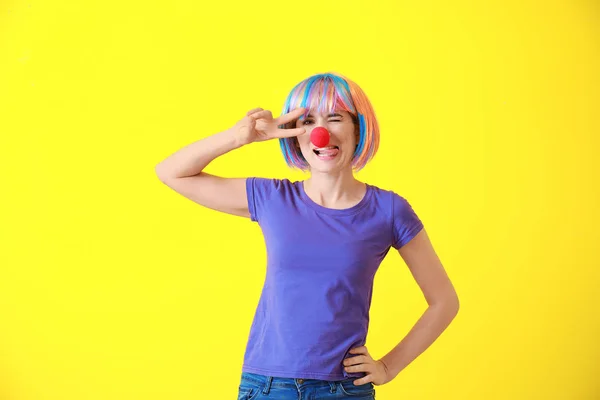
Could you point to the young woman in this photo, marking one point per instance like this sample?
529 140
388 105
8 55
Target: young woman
325 237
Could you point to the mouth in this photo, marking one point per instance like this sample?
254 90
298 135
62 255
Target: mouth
327 152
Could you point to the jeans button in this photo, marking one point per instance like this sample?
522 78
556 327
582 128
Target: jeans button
300 381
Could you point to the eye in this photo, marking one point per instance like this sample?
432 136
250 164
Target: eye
333 120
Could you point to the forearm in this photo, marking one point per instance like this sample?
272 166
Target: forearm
426 330
193 158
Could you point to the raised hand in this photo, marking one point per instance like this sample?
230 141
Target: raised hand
259 125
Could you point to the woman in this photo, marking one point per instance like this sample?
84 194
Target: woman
326 237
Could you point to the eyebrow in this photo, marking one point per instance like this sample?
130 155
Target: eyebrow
330 115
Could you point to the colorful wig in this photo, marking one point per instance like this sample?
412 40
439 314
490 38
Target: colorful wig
326 93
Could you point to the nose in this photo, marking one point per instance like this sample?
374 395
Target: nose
319 136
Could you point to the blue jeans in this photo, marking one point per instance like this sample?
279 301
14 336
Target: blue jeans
262 387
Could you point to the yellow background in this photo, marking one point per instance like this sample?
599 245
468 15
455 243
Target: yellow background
112 286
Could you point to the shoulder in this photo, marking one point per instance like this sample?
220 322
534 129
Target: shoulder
387 198
262 192
391 197
404 221
264 189
268 185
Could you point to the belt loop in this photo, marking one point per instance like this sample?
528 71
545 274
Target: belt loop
333 386
268 385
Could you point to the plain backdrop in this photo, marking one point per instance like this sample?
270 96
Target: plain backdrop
113 286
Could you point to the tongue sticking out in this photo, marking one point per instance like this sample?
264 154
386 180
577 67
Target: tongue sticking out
319 136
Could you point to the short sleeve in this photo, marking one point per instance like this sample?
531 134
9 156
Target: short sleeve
258 191
405 222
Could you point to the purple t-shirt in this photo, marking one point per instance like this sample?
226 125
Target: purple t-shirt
314 305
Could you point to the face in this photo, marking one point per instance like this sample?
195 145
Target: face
344 135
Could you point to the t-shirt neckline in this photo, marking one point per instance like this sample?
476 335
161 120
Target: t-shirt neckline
335 211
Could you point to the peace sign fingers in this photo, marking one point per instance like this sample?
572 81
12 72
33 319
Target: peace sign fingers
292 115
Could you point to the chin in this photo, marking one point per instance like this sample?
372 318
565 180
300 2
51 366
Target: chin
317 165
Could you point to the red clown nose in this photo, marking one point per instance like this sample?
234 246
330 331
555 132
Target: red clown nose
319 136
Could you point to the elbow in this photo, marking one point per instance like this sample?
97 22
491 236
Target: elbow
449 303
160 173
453 304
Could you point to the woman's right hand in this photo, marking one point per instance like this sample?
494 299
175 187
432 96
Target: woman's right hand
258 125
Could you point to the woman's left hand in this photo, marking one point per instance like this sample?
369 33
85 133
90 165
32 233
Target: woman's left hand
377 371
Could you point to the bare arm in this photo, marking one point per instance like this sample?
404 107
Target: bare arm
441 297
183 170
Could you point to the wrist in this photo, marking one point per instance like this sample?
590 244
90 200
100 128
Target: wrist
388 371
234 138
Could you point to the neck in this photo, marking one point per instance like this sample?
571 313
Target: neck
339 190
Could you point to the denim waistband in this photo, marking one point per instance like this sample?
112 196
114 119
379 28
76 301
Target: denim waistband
269 381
